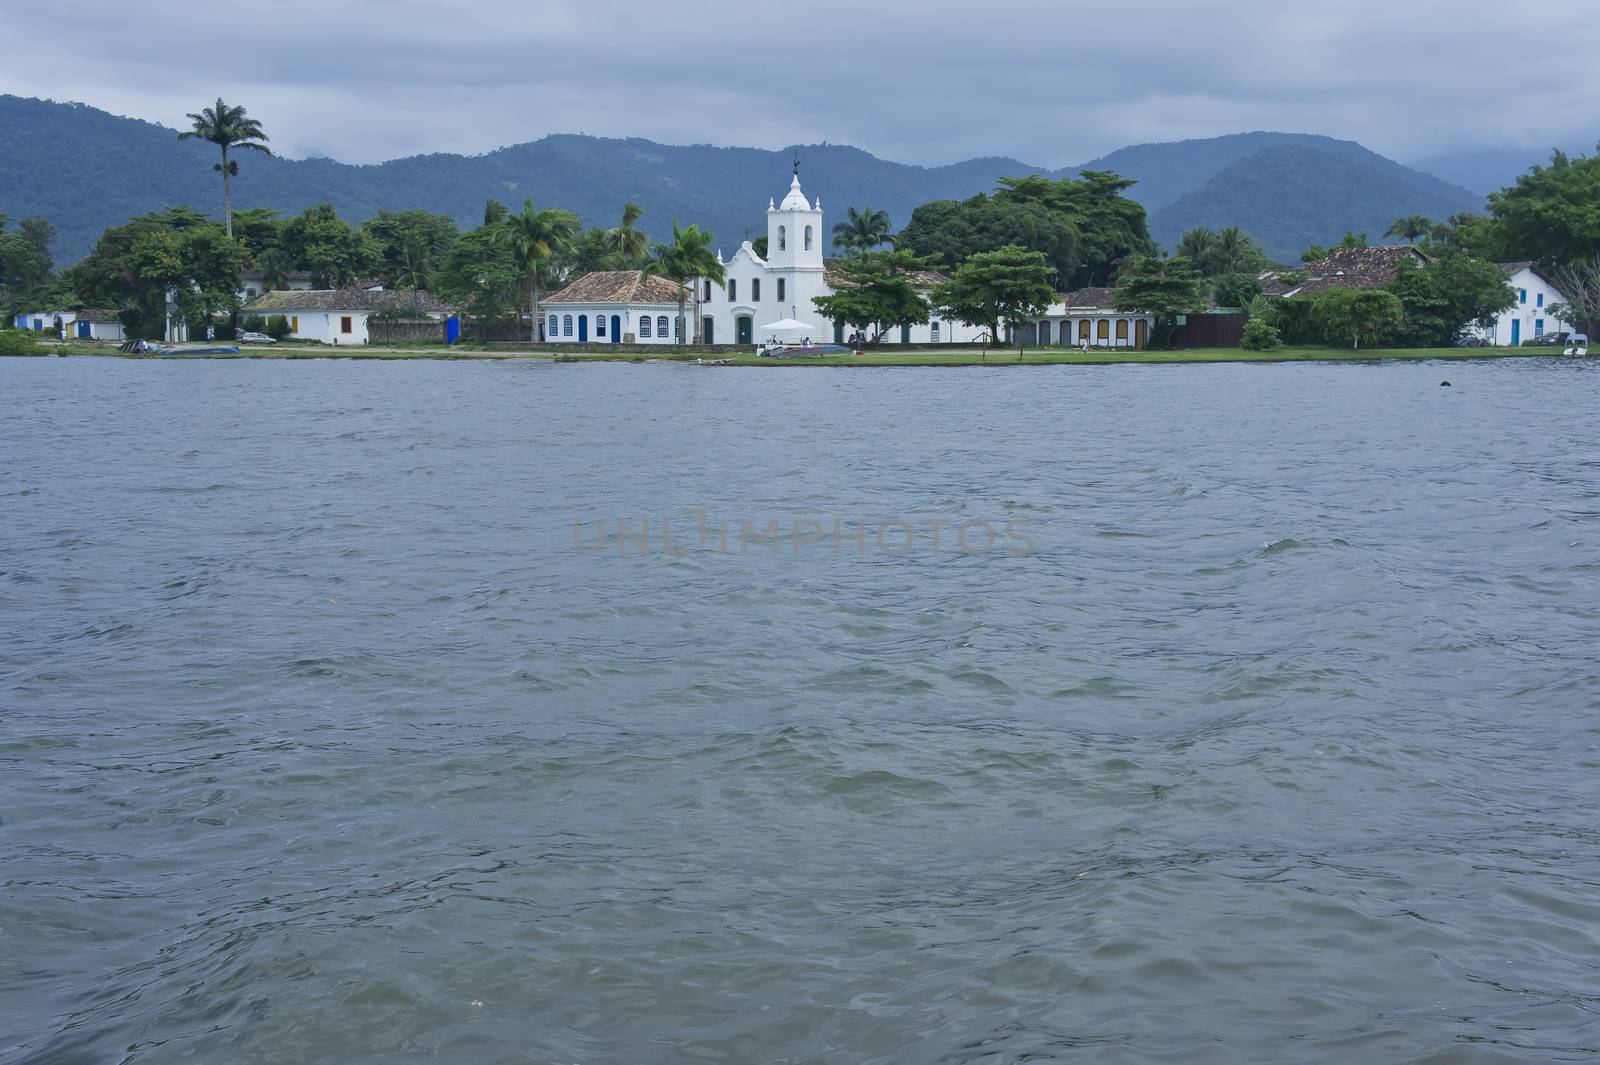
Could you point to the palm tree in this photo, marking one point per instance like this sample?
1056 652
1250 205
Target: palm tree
593 251
1199 245
494 212
1411 228
691 256
627 241
862 230
227 127
534 237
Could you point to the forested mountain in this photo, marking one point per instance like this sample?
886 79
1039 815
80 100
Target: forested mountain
1282 195
86 170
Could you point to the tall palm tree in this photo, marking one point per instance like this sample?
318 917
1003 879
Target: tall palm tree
593 251
629 242
862 230
494 212
691 256
534 237
1411 228
1234 251
227 127
1199 245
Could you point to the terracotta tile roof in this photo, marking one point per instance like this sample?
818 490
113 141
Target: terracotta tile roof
618 286
1359 268
833 277
345 299
1098 299
1515 268
97 315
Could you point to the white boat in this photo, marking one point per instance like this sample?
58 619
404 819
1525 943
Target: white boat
1577 344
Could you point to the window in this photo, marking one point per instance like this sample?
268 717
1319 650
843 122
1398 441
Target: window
755 290
250 292
1122 329
1103 330
1522 295
600 325
780 290
566 325
733 291
1538 301
644 326
294 323
677 328
808 238
783 239
661 325
346 325
708 292
935 328
1538 327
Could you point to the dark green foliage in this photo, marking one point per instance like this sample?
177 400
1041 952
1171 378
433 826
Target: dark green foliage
17 342
409 245
1007 285
1164 288
1343 317
277 326
1259 336
1234 290
1448 294
877 293
134 266
1552 213
253 323
330 248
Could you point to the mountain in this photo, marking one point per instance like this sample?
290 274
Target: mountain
86 170
1484 170
1290 196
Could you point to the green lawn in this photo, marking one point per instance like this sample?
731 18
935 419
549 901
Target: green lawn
882 357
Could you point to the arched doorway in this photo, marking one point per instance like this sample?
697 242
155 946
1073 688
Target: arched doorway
583 329
745 329
709 333
1066 334
1102 331
616 329
1122 332
1083 330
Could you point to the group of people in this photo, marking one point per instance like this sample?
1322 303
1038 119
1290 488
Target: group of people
858 340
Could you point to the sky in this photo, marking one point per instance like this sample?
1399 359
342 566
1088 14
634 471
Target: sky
1050 83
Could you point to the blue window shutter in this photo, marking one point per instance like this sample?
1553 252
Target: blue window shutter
1522 295
1539 300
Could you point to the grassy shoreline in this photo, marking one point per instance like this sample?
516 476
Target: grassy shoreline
912 357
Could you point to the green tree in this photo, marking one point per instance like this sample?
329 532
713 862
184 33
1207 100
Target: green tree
1552 213
227 128
1411 228
494 211
410 245
1111 226
1162 288
534 238
479 274
627 242
951 232
690 257
877 290
862 230
333 251
1235 290
1349 316
1259 336
1446 295
1008 285
136 266
1199 246
594 250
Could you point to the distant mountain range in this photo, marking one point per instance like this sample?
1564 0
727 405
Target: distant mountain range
86 170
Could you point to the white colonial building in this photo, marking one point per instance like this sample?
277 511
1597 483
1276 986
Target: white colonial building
1085 317
1530 316
339 316
613 307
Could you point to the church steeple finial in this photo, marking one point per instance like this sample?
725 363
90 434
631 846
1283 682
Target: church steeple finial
796 164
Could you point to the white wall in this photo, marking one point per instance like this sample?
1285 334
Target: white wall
324 326
1535 295
631 316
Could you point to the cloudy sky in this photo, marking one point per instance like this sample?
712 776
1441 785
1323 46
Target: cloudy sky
1052 83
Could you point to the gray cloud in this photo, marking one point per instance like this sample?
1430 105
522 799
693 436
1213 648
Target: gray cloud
1052 84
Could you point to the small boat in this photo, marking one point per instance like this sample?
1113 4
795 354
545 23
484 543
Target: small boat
1577 344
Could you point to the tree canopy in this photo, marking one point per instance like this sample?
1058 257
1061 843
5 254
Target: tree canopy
1007 285
876 291
1163 288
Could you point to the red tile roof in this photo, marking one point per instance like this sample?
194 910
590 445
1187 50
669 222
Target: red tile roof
618 286
1359 268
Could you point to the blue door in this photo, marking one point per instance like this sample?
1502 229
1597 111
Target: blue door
84 330
1516 332
616 329
583 329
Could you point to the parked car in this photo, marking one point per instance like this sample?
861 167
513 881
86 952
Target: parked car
1468 340
1544 340
254 338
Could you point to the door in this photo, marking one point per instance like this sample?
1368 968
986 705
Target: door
1516 332
583 329
709 333
905 334
746 329
1141 333
85 330
616 329
838 332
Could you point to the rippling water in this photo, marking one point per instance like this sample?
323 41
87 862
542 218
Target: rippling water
321 741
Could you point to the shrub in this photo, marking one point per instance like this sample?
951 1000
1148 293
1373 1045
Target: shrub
1258 336
277 327
16 342
254 324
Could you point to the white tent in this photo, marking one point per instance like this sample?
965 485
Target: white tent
788 329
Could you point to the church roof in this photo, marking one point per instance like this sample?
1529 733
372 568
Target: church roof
618 286
796 200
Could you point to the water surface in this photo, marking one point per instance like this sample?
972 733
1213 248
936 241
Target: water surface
320 740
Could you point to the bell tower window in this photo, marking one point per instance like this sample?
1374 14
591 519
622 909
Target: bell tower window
808 238
783 239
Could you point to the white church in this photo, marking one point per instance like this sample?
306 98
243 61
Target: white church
620 307
626 307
